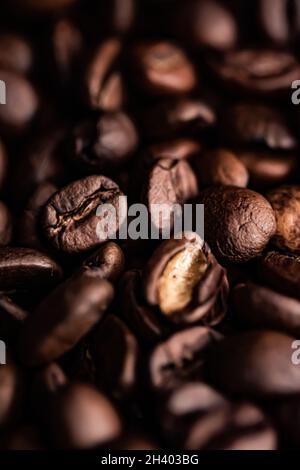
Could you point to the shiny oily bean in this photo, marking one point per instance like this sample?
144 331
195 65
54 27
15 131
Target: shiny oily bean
255 364
63 318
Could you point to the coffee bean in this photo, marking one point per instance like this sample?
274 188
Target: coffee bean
257 125
257 71
260 307
281 272
285 202
162 68
26 269
266 168
63 318
115 352
103 82
15 53
106 263
21 102
185 281
255 364
178 116
222 167
105 144
181 357
238 223
70 219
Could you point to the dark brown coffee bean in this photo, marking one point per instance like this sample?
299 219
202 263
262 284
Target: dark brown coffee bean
115 352
222 167
238 223
103 83
268 168
105 144
257 71
181 357
26 269
70 220
141 318
281 272
180 116
5 225
106 263
255 364
63 318
169 183
185 281
21 102
208 23
162 68
80 417
279 19
257 125
15 53
259 307
29 228
286 205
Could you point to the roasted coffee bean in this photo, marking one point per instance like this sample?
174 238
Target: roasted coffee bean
281 272
80 417
63 318
29 228
186 282
181 357
21 102
256 363
145 322
208 23
22 269
106 263
162 68
10 393
238 223
178 116
115 353
279 20
268 168
260 307
169 183
257 125
103 83
257 71
5 225
222 167
105 144
285 202
70 218
15 53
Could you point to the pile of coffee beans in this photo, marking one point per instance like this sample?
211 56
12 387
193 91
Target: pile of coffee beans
142 342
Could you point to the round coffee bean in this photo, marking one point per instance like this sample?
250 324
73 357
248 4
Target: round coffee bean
281 272
26 269
185 281
286 205
103 82
255 364
63 318
70 218
238 223
162 68
222 167
21 102
259 307
105 144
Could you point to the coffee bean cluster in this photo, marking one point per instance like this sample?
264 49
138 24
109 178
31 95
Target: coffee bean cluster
184 344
